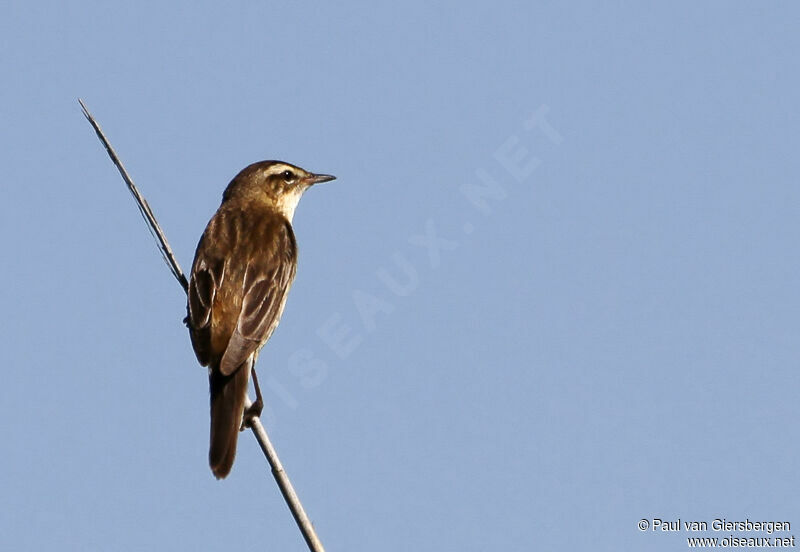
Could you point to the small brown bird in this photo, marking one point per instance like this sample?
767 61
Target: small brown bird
243 268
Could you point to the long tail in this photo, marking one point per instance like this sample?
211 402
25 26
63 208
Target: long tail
227 406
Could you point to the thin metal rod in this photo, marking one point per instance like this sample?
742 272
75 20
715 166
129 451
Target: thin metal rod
281 478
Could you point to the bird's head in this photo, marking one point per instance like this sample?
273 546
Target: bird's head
277 183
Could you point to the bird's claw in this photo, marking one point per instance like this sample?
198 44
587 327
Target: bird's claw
253 411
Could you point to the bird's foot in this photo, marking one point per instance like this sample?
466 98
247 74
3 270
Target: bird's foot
253 411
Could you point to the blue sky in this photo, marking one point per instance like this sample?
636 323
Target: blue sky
502 336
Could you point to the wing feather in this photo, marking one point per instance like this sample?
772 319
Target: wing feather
243 269
203 286
266 289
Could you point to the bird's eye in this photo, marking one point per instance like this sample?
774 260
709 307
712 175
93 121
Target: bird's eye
288 176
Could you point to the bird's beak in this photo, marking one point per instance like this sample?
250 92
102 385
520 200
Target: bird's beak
317 178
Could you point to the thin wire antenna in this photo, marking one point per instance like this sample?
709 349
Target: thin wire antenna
141 203
281 478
